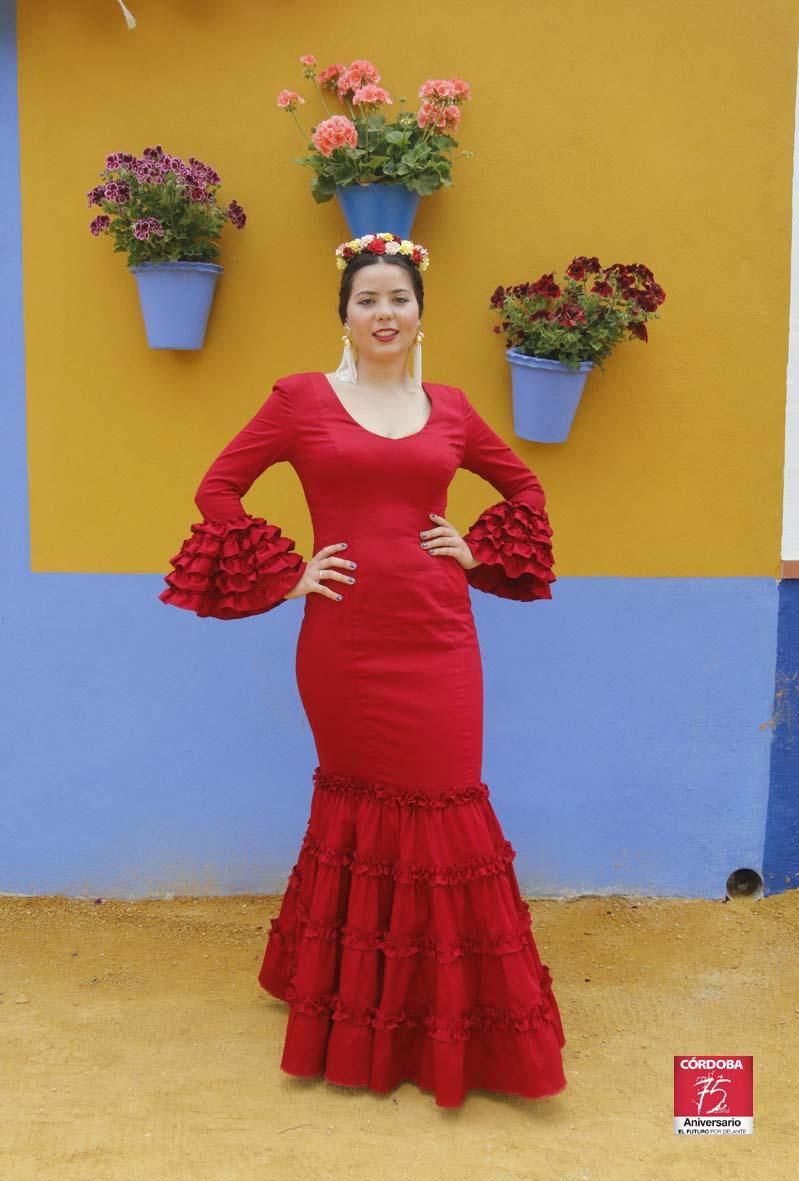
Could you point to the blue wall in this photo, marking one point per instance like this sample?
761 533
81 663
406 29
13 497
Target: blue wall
781 859
630 740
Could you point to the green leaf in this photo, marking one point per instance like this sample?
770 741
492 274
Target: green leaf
345 172
326 187
427 183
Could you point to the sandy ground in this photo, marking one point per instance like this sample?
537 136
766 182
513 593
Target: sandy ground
137 1043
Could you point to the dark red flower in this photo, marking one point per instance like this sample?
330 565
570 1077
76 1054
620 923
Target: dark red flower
638 328
570 315
377 246
582 266
547 286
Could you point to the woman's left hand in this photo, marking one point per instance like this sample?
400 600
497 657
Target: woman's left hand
445 539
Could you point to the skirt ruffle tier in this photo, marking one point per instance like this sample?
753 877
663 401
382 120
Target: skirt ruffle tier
405 951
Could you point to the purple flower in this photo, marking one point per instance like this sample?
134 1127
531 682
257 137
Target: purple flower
203 173
147 173
153 153
156 229
237 215
96 195
117 191
100 223
141 229
172 164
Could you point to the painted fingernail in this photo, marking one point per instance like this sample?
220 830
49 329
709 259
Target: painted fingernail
423 544
338 597
350 580
343 545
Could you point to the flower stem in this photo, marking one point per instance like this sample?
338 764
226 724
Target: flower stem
321 97
296 120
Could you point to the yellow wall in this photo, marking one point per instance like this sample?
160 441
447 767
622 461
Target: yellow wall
659 134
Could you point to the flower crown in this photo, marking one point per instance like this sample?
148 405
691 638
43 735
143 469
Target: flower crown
382 244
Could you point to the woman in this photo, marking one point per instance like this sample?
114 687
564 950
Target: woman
403 946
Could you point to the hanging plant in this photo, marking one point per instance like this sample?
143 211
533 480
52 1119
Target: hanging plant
163 213
570 322
356 145
159 208
557 332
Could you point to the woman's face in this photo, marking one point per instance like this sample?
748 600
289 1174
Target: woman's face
382 298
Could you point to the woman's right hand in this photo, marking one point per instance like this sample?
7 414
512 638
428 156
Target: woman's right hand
322 565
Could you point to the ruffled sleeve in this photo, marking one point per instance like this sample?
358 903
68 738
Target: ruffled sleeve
512 539
233 564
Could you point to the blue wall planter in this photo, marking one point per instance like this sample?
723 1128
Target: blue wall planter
176 300
378 208
546 395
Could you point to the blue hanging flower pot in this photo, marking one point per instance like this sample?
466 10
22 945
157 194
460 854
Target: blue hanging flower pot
176 300
378 208
546 395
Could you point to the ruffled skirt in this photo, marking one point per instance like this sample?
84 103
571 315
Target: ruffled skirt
405 951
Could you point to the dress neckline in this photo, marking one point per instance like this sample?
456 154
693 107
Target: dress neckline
388 438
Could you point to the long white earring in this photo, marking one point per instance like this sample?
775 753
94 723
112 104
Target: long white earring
417 357
347 370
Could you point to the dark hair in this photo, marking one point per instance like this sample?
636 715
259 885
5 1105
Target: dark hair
364 260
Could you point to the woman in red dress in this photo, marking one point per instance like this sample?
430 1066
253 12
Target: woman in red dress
403 947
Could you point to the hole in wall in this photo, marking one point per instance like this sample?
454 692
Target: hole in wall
744 885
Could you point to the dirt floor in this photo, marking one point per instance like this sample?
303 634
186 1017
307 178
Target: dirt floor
137 1043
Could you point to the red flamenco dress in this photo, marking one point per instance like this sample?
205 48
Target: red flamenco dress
403 946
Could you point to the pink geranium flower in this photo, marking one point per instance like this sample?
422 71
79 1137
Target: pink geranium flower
355 76
424 113
437 88
445 90
288 100
328 77
365 69
370 96
445 118
308 66
335 132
